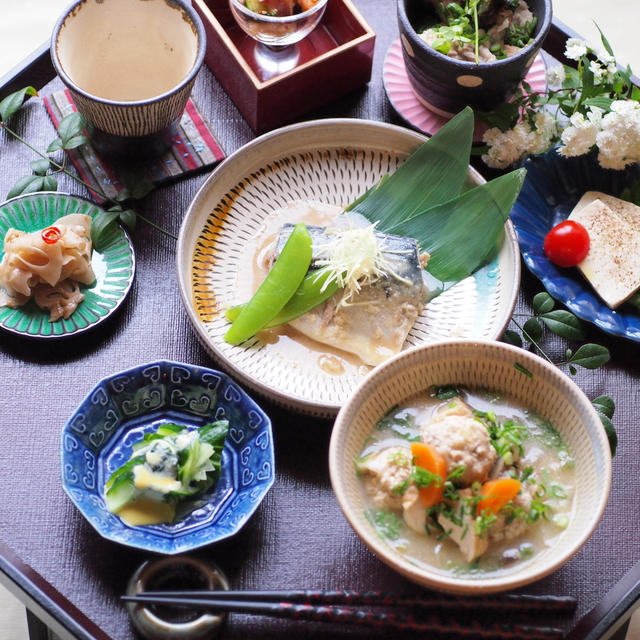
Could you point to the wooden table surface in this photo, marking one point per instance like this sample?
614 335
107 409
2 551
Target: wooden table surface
55 561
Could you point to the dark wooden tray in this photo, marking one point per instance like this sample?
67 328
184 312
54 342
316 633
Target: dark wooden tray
53 560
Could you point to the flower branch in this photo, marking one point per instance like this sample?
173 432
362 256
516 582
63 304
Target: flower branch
592 106
566 325
70 136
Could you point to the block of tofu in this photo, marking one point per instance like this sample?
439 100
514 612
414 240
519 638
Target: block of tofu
628 211
612 265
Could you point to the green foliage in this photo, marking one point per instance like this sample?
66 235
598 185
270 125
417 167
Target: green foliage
605 408
33 183
566 325
461 234
435 173
512 337
14 101
70 135
590 356
596 82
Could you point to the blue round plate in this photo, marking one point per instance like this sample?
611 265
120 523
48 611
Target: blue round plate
552 188
113 264
100 434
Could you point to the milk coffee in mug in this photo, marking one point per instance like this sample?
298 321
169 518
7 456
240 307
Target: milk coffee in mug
130 66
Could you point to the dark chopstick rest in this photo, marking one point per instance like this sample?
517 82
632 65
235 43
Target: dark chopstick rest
322 606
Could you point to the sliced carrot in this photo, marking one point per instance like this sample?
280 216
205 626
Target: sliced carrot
433 461
496 494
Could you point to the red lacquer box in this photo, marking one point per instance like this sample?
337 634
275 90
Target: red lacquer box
333 60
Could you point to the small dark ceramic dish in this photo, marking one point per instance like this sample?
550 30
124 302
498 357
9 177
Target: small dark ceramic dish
446 85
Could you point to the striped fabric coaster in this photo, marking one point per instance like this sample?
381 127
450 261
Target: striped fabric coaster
195 148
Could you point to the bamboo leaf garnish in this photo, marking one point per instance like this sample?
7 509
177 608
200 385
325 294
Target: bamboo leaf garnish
433 174
461 234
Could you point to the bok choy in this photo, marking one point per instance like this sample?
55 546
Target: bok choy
169 466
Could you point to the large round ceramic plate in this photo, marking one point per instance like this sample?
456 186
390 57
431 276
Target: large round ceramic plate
552 188
113 264
332 161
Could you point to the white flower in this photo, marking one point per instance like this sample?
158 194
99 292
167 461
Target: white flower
594 115
619 139
597 69
610 71
507 147
575 48
602 73
541 136
605 56
555 76
579 137
627 108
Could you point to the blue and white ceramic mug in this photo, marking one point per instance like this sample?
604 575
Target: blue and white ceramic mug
130 66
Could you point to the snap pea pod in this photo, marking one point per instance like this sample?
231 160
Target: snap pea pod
308 295
276 289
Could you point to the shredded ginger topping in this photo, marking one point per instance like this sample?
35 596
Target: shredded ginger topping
355 257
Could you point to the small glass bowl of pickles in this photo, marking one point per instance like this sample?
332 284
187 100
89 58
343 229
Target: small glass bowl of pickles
278 23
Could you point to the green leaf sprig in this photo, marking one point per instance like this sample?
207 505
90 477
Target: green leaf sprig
70 135
565 324
460 26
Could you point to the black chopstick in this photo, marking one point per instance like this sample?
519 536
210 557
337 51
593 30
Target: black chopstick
519 603
346 615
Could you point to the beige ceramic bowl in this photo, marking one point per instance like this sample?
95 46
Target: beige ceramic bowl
490 365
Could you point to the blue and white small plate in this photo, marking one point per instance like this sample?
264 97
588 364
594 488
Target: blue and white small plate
113 263
552 188
100 434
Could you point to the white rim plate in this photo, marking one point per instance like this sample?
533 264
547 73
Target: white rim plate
331 161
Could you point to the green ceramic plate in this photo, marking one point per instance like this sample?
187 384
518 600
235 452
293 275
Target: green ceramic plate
114 266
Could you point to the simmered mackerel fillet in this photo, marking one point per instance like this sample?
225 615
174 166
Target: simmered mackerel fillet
375 323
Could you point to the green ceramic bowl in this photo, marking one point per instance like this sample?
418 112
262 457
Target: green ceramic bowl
113 264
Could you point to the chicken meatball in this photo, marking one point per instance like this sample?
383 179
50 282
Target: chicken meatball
462 440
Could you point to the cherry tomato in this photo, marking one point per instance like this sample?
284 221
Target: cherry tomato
567 244
51 235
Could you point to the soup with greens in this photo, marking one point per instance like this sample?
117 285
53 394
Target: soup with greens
466 481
